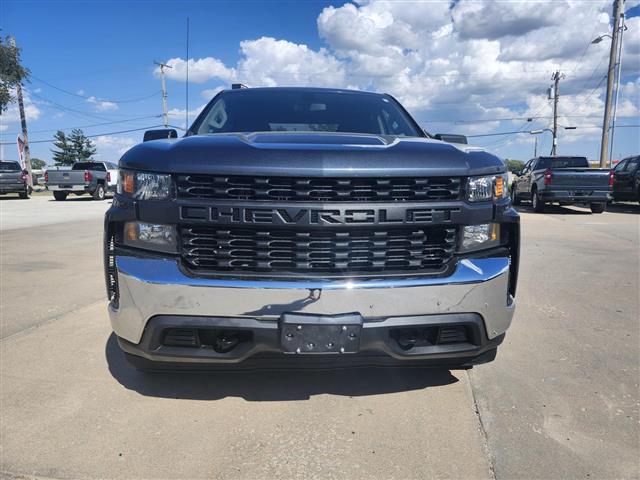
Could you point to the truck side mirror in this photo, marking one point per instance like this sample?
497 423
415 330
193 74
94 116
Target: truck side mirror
162 133
452 138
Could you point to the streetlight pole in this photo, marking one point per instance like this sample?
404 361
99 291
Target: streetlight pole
552 132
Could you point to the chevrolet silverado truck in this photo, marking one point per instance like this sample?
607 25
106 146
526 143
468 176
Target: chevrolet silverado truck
93 178
14 179
563 180
309 227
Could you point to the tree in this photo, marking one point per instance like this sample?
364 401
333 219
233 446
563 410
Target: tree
11 71
514 165
37 163
65 154
83 148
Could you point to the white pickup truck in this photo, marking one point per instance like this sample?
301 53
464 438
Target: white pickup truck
94 178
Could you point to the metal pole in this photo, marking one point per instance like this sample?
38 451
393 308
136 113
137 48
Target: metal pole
604 145
615 102
535 146
23 124
165 114
556 97
186 110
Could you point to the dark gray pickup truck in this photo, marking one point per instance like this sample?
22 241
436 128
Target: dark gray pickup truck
563 180
14 179
304 226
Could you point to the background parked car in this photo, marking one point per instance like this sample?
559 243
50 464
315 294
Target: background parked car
95 178
626 179
13 179
565 180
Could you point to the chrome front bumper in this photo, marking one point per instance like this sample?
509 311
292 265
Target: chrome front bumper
150 287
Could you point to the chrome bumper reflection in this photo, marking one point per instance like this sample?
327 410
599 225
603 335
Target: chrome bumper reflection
151 287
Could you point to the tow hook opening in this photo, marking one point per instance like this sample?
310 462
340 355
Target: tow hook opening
414 337
221 340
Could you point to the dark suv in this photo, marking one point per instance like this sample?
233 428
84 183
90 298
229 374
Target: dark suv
626 179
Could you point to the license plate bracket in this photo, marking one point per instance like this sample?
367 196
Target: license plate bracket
320 334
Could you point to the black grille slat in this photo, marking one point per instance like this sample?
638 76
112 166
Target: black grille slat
310 189
217 249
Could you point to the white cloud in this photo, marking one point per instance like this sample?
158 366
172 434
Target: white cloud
12 115
200 70
102 105
448 61
111 148
209 93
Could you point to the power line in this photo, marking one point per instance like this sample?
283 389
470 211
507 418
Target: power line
130 100
146 117
93 135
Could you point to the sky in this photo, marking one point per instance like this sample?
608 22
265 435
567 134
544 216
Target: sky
475 67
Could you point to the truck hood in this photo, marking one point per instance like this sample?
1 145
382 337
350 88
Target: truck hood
316 154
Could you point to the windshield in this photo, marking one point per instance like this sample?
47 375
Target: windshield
9 167
305 111
563 162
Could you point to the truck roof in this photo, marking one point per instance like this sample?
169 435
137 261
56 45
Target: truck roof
240 91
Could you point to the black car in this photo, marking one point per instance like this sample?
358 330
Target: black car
626 179
13 179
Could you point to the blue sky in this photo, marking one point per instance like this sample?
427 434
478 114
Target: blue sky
470 67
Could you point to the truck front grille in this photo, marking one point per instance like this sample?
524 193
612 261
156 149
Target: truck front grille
317 252
310 189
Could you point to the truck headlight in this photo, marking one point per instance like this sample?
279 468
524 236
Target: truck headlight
487 187
151 236
144 186
480 237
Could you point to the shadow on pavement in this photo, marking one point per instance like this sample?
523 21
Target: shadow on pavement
271 385
556 210
628 207
11 196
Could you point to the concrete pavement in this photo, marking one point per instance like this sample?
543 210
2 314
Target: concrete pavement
560 401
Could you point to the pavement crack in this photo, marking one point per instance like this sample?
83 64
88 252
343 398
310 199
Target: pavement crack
481 428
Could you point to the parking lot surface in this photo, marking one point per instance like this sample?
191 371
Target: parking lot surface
560 401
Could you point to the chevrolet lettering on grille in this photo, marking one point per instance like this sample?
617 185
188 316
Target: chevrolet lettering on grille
395 215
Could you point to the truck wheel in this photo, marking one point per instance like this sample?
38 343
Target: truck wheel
598 207
536 203
98 194
59 195
24 195
515 200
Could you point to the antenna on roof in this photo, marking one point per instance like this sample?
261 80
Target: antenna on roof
238 86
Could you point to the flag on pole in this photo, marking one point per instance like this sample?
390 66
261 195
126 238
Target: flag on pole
20 143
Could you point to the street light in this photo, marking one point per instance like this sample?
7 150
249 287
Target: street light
600 38
538 132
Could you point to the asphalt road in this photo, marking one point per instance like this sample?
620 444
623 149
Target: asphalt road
560 401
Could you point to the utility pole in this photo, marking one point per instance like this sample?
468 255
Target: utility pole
23 123
622 28
556 97
618 11
165 115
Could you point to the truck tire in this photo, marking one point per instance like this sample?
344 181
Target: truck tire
536 202
98 193
598 207
24 195
60 195
515 200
